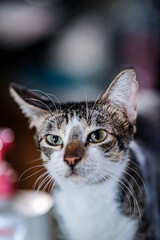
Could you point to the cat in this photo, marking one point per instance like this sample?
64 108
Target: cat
101 191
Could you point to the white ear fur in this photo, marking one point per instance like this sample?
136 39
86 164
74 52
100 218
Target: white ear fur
30 111
123 91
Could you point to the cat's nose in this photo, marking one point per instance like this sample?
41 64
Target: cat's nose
72 161
74 152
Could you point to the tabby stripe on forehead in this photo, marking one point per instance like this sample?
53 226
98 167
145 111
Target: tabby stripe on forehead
66 117
49 126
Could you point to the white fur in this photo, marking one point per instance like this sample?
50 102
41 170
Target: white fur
86 206
92 213
94 168
124 92
33 113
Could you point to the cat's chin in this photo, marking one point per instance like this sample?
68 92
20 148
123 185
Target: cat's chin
75 178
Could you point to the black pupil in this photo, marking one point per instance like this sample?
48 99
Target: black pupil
55 139
96 135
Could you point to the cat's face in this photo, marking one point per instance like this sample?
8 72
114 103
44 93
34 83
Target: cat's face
84 143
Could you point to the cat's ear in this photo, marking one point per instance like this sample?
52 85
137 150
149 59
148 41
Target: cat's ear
123 91
32 104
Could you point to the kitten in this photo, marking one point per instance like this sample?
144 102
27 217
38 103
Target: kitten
88 149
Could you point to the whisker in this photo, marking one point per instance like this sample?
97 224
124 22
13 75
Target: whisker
28 170
42 183
47 184
47 95
60 108
120 182
132 193
103 90
39 178
51 187
135 164
34 160
97 98
138 176
134 181
130 207
31 175
86 100
37 100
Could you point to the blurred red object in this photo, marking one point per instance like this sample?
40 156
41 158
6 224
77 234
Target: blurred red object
6 141
8 176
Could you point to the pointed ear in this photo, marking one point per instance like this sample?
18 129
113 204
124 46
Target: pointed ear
32 104
123 91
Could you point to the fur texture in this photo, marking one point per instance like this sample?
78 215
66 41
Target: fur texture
99 190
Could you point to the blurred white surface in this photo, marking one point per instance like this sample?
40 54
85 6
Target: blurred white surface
26 216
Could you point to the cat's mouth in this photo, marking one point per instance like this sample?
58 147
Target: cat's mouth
74 177
72 174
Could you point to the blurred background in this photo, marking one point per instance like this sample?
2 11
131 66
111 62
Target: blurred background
72 49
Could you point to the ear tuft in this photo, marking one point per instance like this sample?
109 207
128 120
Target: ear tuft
123 91
31 104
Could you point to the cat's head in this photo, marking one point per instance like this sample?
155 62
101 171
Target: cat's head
83 142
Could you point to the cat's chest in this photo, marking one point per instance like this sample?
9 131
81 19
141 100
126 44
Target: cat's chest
89 215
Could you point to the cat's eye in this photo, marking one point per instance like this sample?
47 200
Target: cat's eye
97 136
54 140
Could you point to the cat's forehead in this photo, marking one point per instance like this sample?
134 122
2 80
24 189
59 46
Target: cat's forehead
75 128
77 118
71 114
70 124
72 120
80 110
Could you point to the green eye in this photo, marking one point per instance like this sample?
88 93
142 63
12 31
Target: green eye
54 140
97 136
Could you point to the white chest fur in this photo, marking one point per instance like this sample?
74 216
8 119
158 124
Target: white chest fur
91 213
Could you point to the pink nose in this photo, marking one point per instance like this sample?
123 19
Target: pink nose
74 152
72 161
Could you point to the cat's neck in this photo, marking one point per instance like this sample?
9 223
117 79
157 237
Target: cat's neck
93 210
89 192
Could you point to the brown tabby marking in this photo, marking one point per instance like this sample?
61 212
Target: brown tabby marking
75 149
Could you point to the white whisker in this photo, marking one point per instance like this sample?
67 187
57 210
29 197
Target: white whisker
37 166
139 177
37 100
60 108
39 178
47 95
